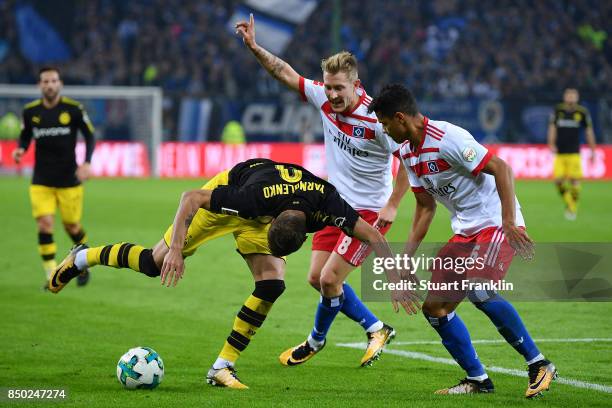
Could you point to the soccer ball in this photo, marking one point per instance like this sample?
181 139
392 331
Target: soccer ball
140 367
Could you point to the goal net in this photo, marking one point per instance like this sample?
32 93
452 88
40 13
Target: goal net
119 113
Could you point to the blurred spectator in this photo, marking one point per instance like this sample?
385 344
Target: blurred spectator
439 48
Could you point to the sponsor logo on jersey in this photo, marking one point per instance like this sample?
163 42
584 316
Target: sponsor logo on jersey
469 154
229 211
443 191
339 222
358 132
35 119
52 131
344 143
567 123
64 118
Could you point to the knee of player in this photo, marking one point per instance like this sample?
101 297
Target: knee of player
269 289
328 282
479 297
314 280
434 309
45 225
72 228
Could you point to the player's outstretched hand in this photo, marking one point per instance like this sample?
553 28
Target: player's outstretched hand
386 216
520 241
172 268
247 31
410 301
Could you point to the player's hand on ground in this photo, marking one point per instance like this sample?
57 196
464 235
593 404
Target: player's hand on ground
83 172
247 31
172 268
18 154
386 216
520 241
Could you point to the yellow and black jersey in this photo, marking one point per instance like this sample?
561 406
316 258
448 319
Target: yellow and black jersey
265 188
55 132
568 121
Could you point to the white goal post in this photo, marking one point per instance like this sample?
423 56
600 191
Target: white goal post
114 110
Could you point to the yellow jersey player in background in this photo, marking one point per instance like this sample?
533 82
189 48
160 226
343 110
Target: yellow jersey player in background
564 140
54 121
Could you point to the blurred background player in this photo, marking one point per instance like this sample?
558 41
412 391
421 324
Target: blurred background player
446 164
359 160
269 207
54 121
564 140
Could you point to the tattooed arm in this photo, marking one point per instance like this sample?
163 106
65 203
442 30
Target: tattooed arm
191 202
279 69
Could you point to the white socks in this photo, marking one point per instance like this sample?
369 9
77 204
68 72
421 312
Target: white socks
80 261
537 358
314 343
222 363
479 378
375 327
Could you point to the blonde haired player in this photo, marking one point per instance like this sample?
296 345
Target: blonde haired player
359 161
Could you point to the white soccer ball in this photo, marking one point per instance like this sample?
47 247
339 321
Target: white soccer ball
140 367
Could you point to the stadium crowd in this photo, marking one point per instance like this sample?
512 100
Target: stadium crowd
443 48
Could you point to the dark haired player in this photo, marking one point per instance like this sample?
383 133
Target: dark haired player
446 164
269 207
54 121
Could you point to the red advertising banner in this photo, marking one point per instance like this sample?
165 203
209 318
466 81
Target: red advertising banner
207 159
110 159
203 160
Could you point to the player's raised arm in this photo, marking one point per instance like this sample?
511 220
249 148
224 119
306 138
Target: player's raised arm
279 69
504 181
174 266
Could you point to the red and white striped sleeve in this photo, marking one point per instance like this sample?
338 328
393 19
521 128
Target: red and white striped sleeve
312 92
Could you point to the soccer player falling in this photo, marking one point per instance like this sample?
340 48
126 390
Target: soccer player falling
446 164
359 163
268 207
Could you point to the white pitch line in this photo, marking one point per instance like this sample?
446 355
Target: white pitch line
518 373
497 341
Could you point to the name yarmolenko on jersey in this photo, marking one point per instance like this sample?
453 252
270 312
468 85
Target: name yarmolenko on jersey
263 188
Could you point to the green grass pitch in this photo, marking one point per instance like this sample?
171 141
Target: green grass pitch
74 339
